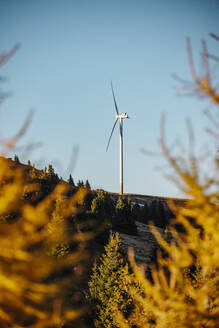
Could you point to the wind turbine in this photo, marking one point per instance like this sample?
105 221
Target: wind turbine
119 117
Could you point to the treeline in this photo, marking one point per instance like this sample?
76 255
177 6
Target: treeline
182 291
117 213
50 231
52 244
73 223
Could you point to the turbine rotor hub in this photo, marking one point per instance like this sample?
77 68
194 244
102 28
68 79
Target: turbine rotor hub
124 115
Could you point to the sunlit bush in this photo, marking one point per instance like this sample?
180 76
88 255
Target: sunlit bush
33 282
184 289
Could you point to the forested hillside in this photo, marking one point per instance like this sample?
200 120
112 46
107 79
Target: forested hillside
89 217
65 256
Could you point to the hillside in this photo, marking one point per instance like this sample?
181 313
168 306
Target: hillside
144 243
131 222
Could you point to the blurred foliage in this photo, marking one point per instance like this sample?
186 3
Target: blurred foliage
49 232
29 293
34 220
184 289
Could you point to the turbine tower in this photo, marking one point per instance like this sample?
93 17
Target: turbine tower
119 117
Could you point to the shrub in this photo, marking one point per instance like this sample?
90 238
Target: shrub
33 288
184 290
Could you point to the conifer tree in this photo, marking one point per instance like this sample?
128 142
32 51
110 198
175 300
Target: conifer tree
102 206
124 220
97 205
144 213
156 214
80 184
109 285
183 291
51 170
121 204
33 287
71 181
33 173
16 158
43 173
87 185
137 211
56 228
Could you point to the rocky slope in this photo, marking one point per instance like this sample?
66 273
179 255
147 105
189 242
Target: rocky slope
144 243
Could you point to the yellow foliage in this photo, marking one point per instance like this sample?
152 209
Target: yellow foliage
33 283
184 290
28 294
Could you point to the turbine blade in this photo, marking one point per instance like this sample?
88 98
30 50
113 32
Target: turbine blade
116 108
111 134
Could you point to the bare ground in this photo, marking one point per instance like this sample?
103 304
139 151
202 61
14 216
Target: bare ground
144 243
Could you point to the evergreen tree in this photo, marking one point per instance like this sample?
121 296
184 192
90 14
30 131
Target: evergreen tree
152 211
184 290
124 219
56 230
80 184
97 205
51 177
87 185
108 287
51 171
137 211
43 173
157 214
102 206
71 181
16 159
33 173
161 220
144 213
122 205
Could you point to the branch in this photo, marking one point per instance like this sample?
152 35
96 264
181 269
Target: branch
4 57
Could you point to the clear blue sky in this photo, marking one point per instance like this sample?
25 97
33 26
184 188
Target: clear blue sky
71 50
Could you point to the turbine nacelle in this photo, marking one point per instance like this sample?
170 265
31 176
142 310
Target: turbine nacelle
121 116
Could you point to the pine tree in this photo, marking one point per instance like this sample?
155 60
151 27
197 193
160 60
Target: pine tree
144 213
80 184
161 220
43 174
121 205
51 171
33 173
87 185
152 211
102 206
56 230
157 214
184 290
137 211
108 287
16 158
124 220
97 205
71 181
